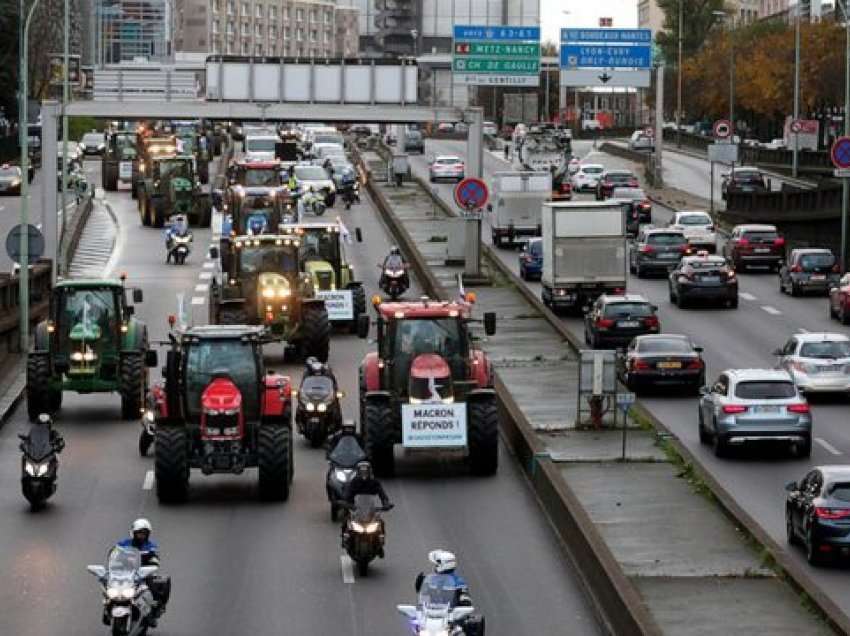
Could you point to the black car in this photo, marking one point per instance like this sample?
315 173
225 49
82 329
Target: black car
413 142
817 513
704 277
743 179
808 270
657 250
612 321
661 360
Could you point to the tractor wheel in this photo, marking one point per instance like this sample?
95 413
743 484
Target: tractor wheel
110 177
55 398
274 451
358 299
134 189
157 214
144 210
171 466
132 386
231 316
316 332
379 432
39 396
483 430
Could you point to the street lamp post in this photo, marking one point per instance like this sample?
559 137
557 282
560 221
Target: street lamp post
796 151
679 80
845 198
65 171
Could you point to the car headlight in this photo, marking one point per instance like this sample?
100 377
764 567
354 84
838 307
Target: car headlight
321 408
310 406
15 183
343 474
35 469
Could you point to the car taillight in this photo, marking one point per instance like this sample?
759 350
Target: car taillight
638 365
836 269
798 408
685 249
695 364
565 187
604 323
732 409
796 268
742 242
526 258
647 249
832 513
643 205
779 242
619 290
730 275
651 321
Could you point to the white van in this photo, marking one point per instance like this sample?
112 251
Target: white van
260 147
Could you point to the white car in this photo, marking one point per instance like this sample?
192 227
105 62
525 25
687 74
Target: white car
324 150
446 167
489 128
587 176
698 228
641 141
93 143
818 362
260 147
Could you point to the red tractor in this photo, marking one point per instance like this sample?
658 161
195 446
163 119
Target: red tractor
219 411
427 387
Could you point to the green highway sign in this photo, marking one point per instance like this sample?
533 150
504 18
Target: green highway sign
496 55
467 65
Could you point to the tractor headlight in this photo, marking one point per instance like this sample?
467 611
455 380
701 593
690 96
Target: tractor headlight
268 292
283 293
321 408
35 469
310 406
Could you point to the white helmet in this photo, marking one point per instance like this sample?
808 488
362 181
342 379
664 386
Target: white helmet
443 560
140 525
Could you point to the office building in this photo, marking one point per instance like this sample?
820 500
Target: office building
130 31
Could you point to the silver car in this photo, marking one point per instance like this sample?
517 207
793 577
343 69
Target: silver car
754 405
817 362
698 228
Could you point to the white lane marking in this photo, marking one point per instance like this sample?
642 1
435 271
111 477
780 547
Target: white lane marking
148 483
202 287
209 265
801 330
205 275
198 300
347 566
829 447
746 296
773 311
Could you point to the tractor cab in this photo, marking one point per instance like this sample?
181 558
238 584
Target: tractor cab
257 210
87 327
266 174
178 174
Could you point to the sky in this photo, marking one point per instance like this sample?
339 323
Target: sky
584 13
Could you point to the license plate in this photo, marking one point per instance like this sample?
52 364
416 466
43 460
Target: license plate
669 365
828 369
762 250
818 276
628 324
710 279
670 255
765 409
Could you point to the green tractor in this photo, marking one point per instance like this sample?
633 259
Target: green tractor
118 157
262 284
90 343
149 148
322 257
170 188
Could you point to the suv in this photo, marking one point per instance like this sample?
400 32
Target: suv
703 277
758 245
657 249
743 179
754 405
612 321
531 259
641 140
808 270
611 179
698 228
818 362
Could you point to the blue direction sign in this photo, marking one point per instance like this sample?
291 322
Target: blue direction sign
604 56
609 36
510 33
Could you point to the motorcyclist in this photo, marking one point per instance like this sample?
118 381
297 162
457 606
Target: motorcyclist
140 539
292 182
179 227
445 563
312 366
364 483
395 261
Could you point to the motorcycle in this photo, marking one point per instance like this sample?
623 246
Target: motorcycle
128 602
351 195
318 412
342 460
148 434
436 614
179 248
39 464
364 531
313 202
394 280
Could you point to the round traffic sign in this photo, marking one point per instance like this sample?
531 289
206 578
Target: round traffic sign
796 126
35 244
471 193
840 152
722 129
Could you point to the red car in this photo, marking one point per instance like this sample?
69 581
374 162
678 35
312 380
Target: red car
758 245
839 300
611 179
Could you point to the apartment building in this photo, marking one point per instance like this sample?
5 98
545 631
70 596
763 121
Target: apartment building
299 28
650 16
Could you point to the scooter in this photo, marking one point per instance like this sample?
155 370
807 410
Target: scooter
39 464
127 599
342 462
318 412
364 531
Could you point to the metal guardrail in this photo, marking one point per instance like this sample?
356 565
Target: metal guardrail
146 85
795 205
40 286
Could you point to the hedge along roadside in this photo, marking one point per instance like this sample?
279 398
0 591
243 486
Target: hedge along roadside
616 601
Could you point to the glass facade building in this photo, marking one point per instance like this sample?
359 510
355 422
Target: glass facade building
129 30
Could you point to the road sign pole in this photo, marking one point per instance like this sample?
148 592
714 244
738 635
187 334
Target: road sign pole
475 142
659 126
49 119
796 154
711 190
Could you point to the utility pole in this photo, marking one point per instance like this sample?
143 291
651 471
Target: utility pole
845 199
679 70
659 125
65 170
796 154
